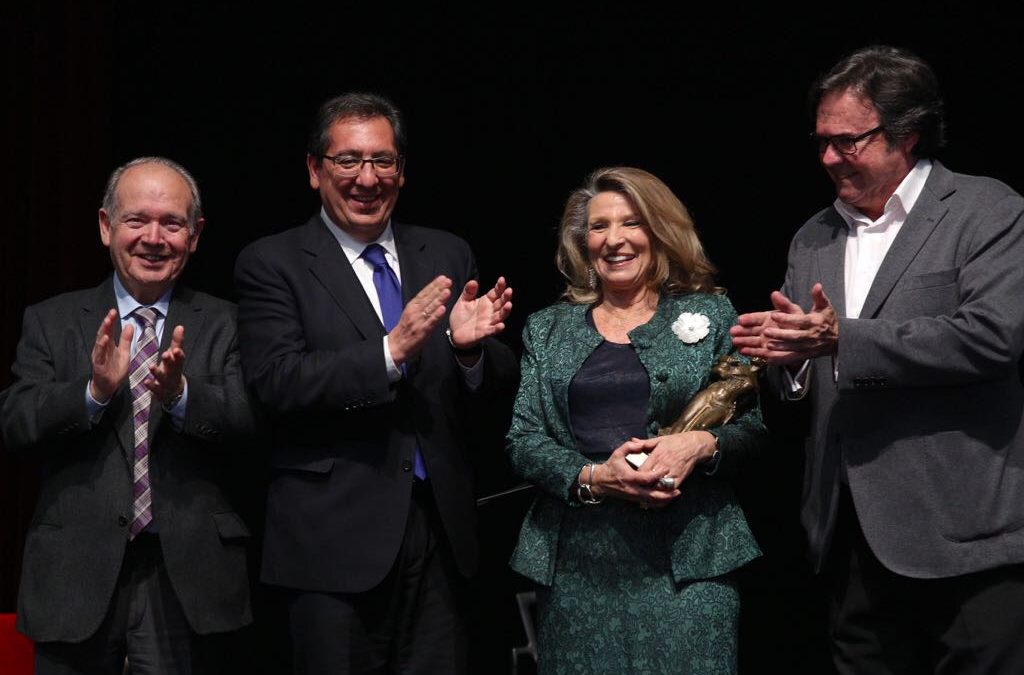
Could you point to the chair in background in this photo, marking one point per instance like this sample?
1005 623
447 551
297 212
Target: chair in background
526 600
16 651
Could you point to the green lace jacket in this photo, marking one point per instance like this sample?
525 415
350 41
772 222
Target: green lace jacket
704 527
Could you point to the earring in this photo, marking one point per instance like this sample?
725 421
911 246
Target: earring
591 277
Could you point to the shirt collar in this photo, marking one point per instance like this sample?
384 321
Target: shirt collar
354 248
899 204
126 304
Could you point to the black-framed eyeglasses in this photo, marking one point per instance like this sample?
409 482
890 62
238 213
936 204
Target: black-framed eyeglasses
349 166
844 144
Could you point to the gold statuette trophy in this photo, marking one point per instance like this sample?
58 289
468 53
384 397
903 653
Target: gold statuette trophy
730 395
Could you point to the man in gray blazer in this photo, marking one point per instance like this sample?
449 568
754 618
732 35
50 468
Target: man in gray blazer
131 394
902 322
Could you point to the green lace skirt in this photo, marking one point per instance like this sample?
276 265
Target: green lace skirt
613 606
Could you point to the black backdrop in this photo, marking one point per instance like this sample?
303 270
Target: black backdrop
509 106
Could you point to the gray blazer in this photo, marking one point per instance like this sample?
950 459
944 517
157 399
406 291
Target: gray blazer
927 415
77 537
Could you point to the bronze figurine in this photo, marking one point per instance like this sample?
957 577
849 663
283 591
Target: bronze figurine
731 394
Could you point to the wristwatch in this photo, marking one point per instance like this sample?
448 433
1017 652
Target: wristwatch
169 405
711 464
462 351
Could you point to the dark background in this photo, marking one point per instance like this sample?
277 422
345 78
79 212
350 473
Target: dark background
509 106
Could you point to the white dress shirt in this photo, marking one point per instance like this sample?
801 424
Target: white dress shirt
353 249
867 243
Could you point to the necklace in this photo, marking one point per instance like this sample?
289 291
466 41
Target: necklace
615 323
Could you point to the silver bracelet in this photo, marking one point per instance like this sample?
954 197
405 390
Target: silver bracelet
584 491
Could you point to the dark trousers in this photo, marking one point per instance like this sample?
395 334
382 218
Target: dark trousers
884 623
414 621
145 624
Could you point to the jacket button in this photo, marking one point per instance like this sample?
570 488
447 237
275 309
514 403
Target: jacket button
406 465
662 376
122 520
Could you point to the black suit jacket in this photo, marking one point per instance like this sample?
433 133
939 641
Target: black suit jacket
76 540
344 438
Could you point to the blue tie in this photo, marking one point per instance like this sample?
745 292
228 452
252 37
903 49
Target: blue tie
389 293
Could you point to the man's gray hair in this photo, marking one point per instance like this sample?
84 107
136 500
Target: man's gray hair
195 208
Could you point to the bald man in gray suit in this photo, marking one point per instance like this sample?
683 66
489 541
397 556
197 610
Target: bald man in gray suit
131 395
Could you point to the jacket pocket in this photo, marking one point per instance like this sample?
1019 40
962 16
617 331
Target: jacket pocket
230 525
297 462
940 278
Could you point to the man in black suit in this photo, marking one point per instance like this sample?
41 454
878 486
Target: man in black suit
370 516
131 393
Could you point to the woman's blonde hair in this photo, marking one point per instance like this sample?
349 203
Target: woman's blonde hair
679 266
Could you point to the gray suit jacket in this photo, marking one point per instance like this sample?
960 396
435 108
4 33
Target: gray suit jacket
927 414
77 537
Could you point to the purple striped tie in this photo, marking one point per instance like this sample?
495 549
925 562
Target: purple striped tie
138 371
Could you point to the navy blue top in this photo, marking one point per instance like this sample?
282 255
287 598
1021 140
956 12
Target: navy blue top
608 399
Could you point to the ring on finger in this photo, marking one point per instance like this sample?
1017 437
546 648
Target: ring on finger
667 482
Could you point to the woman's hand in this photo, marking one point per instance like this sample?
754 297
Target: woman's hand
675 455
617 478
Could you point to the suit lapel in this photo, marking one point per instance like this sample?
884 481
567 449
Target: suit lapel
119 411
333 270
573 341
186 312
920 224
832 262
417 267
93 311
415 261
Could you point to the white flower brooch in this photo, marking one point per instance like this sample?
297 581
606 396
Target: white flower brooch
691 328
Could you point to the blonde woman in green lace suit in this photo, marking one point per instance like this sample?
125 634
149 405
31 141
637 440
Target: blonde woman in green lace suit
635 566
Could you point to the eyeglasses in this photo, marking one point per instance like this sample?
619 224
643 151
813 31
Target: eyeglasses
349 166
843 143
